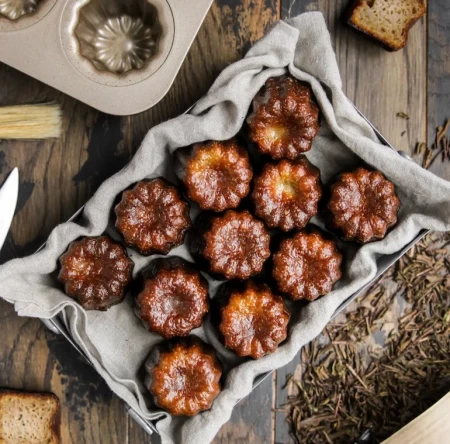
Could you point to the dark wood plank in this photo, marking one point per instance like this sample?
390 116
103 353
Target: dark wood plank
34 359
136 435
282 392
251 421
379 83
56 178
438 104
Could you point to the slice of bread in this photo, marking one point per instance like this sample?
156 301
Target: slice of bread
29 418
387 21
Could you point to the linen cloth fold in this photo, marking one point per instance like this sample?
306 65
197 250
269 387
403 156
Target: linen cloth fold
115 341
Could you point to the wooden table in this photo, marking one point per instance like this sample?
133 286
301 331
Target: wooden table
57 177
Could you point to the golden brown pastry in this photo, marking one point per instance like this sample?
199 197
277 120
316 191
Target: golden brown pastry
286 194
253 320
362 206
307 265
234 245
183 375
171 297
285 118
96 271
152 217
216 175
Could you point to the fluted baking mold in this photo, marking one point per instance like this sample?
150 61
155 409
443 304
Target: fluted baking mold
14 9
118 35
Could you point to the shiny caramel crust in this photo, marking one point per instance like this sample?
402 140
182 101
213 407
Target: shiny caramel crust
96 271
307 265
152 217
216 175
285 118
253 320
363 205
236 245
286 194
172 297
183 376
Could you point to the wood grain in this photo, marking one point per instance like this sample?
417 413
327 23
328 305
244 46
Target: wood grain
251 421
379 83
56 178
59 176
33 359
430 427
438 103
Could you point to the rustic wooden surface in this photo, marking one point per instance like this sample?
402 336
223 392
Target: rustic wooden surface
59 176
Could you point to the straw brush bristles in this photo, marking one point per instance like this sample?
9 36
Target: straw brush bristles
30 121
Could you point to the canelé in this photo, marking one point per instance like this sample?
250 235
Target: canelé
96 271
171 297
183 376
152 217
234 245
362 206
216 175
253 320
307 265
285 118
286 194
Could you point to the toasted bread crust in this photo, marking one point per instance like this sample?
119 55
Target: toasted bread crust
390 44
55 422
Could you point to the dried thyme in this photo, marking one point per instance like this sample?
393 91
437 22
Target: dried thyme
379 370
403 115
440 147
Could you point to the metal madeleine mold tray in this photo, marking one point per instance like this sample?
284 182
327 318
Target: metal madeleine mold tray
20 14
13 9
56 324
118 56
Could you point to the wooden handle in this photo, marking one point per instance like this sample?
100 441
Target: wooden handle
431 427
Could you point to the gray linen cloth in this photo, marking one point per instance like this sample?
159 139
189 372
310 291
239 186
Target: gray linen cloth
115 341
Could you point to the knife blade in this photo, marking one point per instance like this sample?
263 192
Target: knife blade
8 201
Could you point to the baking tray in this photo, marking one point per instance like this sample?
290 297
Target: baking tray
383 263
118 56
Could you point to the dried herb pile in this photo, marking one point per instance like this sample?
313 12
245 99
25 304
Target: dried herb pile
387 362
